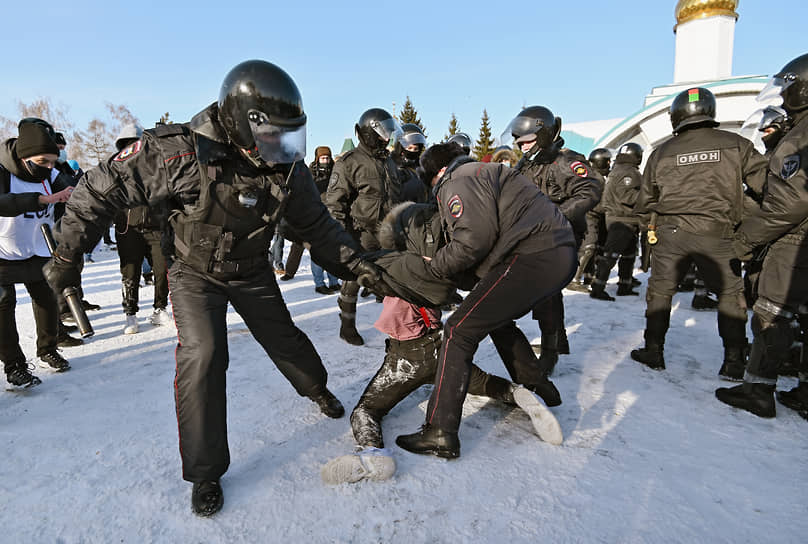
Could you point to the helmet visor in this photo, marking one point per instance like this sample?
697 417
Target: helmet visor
412 138
772 93
277 144
521 129
752 128
387 129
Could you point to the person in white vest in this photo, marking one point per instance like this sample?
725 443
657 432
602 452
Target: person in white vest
26 203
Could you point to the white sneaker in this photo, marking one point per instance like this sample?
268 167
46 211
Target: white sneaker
131 325
371 463
160 317
543 420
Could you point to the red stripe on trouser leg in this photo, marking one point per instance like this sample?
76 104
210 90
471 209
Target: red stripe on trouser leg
451 333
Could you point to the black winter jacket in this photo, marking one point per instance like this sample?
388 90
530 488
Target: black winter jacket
620 193
695 180
567 179
783 213
12 205
170 164
490 212
362 190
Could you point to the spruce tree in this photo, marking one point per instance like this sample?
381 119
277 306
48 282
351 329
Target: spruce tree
454 128
410 115
485 143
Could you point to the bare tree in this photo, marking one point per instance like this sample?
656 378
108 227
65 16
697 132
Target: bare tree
43 108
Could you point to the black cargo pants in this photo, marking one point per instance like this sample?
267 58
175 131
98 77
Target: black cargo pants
200 306
720 269
509 291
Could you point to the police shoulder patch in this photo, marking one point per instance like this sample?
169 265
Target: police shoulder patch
627 180
579 169
129 151
791 165
455 206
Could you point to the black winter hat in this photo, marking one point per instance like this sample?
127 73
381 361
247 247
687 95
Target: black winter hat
436 157
35 139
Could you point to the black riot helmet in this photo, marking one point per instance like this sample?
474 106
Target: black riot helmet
788 87
533 124
376 128
463 140
630 153
261 111
694 106
410 135
601 160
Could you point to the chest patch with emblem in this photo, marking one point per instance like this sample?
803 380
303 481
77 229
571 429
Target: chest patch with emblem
579 169
627 180
129 151
455 206
791 166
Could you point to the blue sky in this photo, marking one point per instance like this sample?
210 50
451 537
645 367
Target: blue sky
585 60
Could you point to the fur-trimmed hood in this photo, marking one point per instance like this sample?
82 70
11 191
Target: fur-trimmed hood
412 227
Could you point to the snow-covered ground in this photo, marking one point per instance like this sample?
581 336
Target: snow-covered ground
91 455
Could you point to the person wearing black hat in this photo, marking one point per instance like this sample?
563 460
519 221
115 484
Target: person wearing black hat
512 247
26 202
692 197
228 177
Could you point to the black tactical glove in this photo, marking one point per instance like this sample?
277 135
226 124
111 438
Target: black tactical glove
370 276
60 273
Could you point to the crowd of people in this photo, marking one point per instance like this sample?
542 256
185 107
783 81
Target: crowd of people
210 202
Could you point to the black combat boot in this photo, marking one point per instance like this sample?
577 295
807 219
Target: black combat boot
651 356
431 440
347 317
563 342
796 399
625 289
546 390
549 353
206 498
757 398
734 364
598 291
64 340
703 302
329 404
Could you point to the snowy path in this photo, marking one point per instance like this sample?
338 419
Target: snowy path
91 455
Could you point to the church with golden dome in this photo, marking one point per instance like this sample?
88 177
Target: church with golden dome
704 31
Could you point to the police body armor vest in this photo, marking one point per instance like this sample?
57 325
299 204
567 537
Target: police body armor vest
229 228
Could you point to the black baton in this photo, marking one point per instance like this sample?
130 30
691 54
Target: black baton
71 294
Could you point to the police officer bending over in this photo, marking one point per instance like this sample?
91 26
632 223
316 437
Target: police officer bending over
692 193
228 176
518 249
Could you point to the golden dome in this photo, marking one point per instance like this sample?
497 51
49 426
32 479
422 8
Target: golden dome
689 10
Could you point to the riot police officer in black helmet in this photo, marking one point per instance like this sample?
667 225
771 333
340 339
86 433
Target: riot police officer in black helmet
228 176
463 140
781 223
601 161
568 180
364 187
622 225
406 152
694 221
